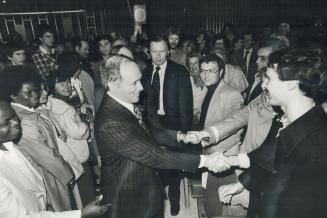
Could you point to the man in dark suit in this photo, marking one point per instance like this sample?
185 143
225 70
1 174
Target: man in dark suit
246 58
169 96
130 156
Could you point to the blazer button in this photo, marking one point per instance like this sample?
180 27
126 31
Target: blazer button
262 193
156 173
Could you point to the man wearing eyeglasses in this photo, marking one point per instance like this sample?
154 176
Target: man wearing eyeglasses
221 101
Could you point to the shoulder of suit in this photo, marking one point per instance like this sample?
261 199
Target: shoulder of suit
177 68
230 67
229 89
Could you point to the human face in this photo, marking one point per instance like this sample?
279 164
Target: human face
219 44
275 90
28 95
173 40
209 73
262 60
159 52
104 47
63 88
84 49
9 123
47 40
129 87
248 41
18 57
194 66
43 95
200 38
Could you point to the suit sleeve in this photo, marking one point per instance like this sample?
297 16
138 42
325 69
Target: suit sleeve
35 144
128 141
166 137
11 207
185 100
234 123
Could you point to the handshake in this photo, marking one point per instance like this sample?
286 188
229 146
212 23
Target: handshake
195 137
217 162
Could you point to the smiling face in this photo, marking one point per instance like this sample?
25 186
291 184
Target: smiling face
63 88
129 87
28 95
209 73
9 123
276 91
104 47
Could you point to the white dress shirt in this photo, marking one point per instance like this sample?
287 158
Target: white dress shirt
161 110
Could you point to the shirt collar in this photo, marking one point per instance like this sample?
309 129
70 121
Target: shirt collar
22 106
127 105
162 66
9 146
44 51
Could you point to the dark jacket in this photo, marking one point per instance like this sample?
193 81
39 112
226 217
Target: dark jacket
287 179
177 97
130 157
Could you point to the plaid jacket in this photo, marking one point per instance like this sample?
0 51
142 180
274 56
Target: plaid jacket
44 63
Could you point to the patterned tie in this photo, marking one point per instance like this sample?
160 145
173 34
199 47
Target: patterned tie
138 115
156 88
244 62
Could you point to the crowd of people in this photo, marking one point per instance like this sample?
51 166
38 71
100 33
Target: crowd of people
97 127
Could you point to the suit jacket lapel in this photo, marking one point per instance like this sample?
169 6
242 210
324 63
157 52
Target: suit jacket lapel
214 105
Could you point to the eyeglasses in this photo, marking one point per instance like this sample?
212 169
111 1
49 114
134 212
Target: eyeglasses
210 71
262 58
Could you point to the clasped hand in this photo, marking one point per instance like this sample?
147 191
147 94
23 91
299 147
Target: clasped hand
216 162
196 137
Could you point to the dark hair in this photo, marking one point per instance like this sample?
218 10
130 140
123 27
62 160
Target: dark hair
13 77
302 65
171 30
68 63
78 42
44 28
104 37
10 48
213 58
192 55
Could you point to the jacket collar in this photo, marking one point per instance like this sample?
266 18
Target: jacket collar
302 127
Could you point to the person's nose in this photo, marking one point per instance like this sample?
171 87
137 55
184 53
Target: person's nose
139 86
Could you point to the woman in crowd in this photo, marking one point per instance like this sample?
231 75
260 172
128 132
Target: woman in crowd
38 140
76 131
287 174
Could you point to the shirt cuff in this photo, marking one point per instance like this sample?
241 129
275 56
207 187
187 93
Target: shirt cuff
202 161
177 136
216 133
244 160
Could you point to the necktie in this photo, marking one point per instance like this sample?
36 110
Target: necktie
244 62
156 88
138 115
